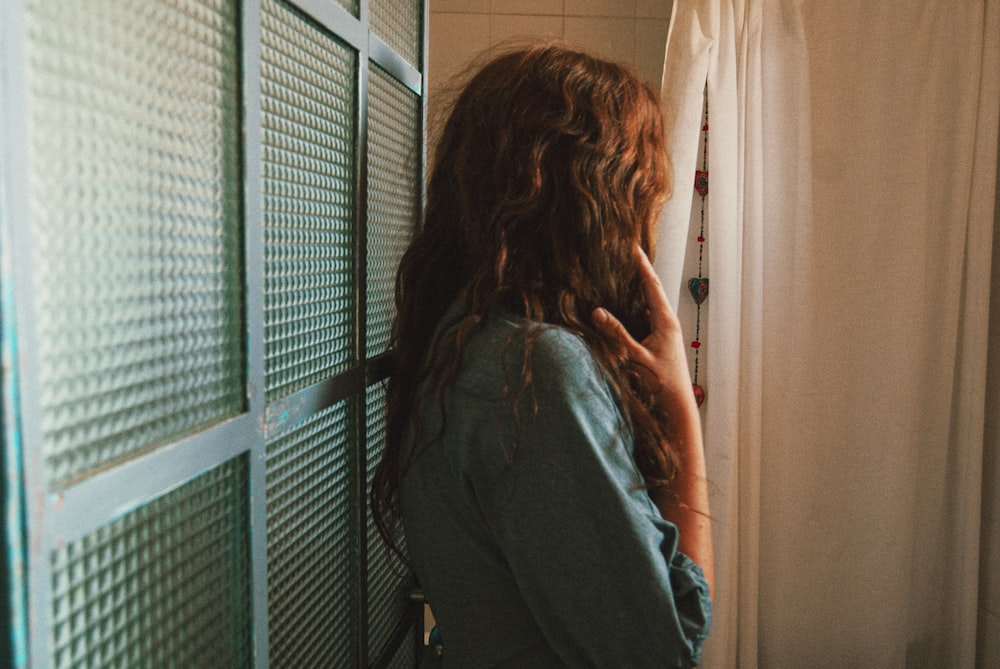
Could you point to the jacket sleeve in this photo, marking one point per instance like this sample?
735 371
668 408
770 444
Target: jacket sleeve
590 553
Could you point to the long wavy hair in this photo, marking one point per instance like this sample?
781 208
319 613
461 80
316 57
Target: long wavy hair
549 171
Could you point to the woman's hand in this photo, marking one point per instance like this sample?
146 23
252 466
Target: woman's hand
663 354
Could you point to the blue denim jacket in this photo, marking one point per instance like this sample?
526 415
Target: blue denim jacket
533 537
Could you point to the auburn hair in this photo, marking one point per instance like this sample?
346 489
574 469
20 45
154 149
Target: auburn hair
549 170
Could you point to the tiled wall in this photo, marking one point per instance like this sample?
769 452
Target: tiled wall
629 31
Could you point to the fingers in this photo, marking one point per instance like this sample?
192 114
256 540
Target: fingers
662 319
613 328
660 312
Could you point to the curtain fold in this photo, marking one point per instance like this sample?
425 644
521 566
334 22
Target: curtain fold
852 161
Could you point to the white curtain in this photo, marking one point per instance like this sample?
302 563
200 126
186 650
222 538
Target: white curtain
852 152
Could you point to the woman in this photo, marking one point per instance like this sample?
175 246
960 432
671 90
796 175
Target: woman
544 448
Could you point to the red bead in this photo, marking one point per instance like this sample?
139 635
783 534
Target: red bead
696 344
699 393
701 239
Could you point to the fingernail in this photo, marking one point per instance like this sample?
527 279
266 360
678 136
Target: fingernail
600 316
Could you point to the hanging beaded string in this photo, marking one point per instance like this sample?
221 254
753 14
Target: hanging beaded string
698 286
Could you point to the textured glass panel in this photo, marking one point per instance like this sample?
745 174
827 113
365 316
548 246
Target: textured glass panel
388 578
405 656
136 201
393 196
165 585
399 23
312 542
349 5
309 101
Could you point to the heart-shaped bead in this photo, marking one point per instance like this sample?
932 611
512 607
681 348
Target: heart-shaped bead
701 182
699 289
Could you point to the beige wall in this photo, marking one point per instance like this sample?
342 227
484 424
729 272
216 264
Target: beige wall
630 31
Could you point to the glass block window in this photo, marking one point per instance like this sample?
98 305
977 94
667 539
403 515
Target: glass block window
136 201
398 24
204 248
349 5
309 106
311 542
405 656
393 196
167 584
388 585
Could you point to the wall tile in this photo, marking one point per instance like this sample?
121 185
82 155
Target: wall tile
454 40
438 104
653 9
628 31
460 6
613 39
624 8
650 44
522 27
550 7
